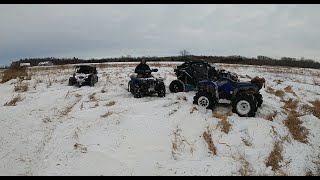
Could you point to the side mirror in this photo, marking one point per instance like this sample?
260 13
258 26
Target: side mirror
154 70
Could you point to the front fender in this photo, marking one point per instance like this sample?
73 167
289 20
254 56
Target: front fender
208 86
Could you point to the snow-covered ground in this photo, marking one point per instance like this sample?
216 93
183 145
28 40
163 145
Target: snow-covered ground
58 129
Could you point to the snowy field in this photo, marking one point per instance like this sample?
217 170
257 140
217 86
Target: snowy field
56 129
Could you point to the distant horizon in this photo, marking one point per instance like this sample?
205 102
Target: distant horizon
130 56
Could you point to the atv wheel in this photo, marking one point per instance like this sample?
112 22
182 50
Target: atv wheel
245 106
162 92
204 99
137 95
71 81
91 82
259 99
176 86
130 88
78 85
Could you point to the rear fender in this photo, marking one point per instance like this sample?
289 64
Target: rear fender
245 90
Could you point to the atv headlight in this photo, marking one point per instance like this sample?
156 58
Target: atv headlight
82 76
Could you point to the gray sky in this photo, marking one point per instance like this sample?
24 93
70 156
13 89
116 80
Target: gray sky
108 30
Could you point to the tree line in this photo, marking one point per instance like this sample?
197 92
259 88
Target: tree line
259 60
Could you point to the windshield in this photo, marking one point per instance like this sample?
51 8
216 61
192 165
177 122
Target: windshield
83 70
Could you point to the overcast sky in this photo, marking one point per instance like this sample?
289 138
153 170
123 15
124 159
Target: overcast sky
109 30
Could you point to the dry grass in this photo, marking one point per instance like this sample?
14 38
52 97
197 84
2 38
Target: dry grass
82 148
315 109
275 157
271 116
179 144
76 134
279 93
280 172
208 138
316 82
316 103
172 112
290 104
278 81
270 90
279 70
298 132
1 74
13 73
39 81
106 114
46 120
193 109
49 82
247 142
184 98
13 101
54 69
111 103
21 87
288 89
92 97
309 173
244 169
225 125
102 66
78 95
103 90
68 109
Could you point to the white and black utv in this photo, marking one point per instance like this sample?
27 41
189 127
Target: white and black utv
84 75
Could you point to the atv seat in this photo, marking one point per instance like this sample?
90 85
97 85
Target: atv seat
235 83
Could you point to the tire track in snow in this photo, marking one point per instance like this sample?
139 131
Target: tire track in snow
50 128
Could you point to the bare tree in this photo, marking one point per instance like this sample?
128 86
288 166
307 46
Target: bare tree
184 52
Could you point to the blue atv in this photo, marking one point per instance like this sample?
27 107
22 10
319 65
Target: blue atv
190 73
146 85
244 96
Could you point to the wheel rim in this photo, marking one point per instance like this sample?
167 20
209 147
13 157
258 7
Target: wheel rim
176 88
243 107
203 101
